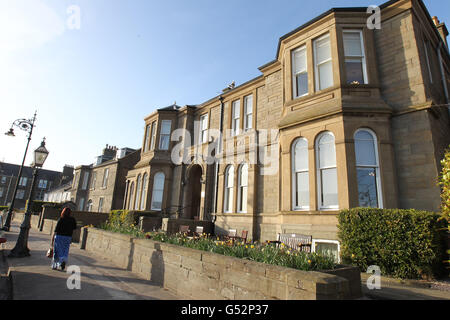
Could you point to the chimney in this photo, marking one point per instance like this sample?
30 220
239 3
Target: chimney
109 152
442 29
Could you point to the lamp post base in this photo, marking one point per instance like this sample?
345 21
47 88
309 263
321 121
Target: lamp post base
21 249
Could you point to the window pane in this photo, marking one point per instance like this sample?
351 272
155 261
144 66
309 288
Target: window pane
243 206
327 151
302 84
354 71
328 249
329 188
367 187
365 151
323 50
236 109
352 44
325 75
166 124
301 155
248 104
299 61
244 175
249 122
164 143
302 190
230 177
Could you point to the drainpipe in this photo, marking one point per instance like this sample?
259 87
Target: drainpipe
219 149
444 80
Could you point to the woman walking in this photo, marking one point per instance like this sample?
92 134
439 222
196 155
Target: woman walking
62 238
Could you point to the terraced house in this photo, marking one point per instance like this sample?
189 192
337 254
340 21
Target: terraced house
362 119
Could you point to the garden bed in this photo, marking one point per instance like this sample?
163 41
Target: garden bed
205 274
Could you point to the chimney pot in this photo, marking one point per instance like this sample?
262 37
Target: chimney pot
436 21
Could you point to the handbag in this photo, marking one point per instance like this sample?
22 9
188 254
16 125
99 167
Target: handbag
49 253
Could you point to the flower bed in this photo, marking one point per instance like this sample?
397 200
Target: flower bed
200 274
265 253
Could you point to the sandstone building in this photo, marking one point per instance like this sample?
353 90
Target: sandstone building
361 118
99 187
45 180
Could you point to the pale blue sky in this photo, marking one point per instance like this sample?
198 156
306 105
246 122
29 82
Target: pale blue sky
95 85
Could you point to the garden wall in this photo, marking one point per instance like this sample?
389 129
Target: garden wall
195 274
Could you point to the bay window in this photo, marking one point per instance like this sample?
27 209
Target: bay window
299 72
367 169
355 58
164 137
300 175
229 188
158 191
323 63
327 171
236 117
248 112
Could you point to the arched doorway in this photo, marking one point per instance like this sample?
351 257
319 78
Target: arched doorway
193 191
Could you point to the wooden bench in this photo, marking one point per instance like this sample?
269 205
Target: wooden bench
232 235
295 241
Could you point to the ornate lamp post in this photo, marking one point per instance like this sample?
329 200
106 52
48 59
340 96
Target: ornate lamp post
28 126
21 249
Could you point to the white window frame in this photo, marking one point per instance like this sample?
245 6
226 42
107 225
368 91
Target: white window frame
137 198
235 121
363 52
313 249
294 176
377 168
144 191
319 173
161 135
131 197
242 208
105 178
294 74
101 201
94 180
147 137
81 204
42 184
248 116
23 181
229 191
153 136
317 64
158 174
90 204
204 128
85 181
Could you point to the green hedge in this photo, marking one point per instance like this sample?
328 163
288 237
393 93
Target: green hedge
36 206
407 244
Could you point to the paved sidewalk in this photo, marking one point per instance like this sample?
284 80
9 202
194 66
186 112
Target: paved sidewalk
33 279
394 289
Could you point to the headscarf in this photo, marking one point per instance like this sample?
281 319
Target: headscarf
66 212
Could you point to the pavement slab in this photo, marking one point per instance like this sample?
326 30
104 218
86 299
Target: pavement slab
33 278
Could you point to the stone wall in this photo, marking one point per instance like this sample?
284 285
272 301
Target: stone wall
194 274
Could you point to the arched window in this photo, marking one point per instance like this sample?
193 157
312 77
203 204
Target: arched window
89 205
138 193
367 169
158 191
327 171
229 187
130 198
144 191
242 188
300 175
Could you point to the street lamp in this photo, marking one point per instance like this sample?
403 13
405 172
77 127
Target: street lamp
21 249
28 126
